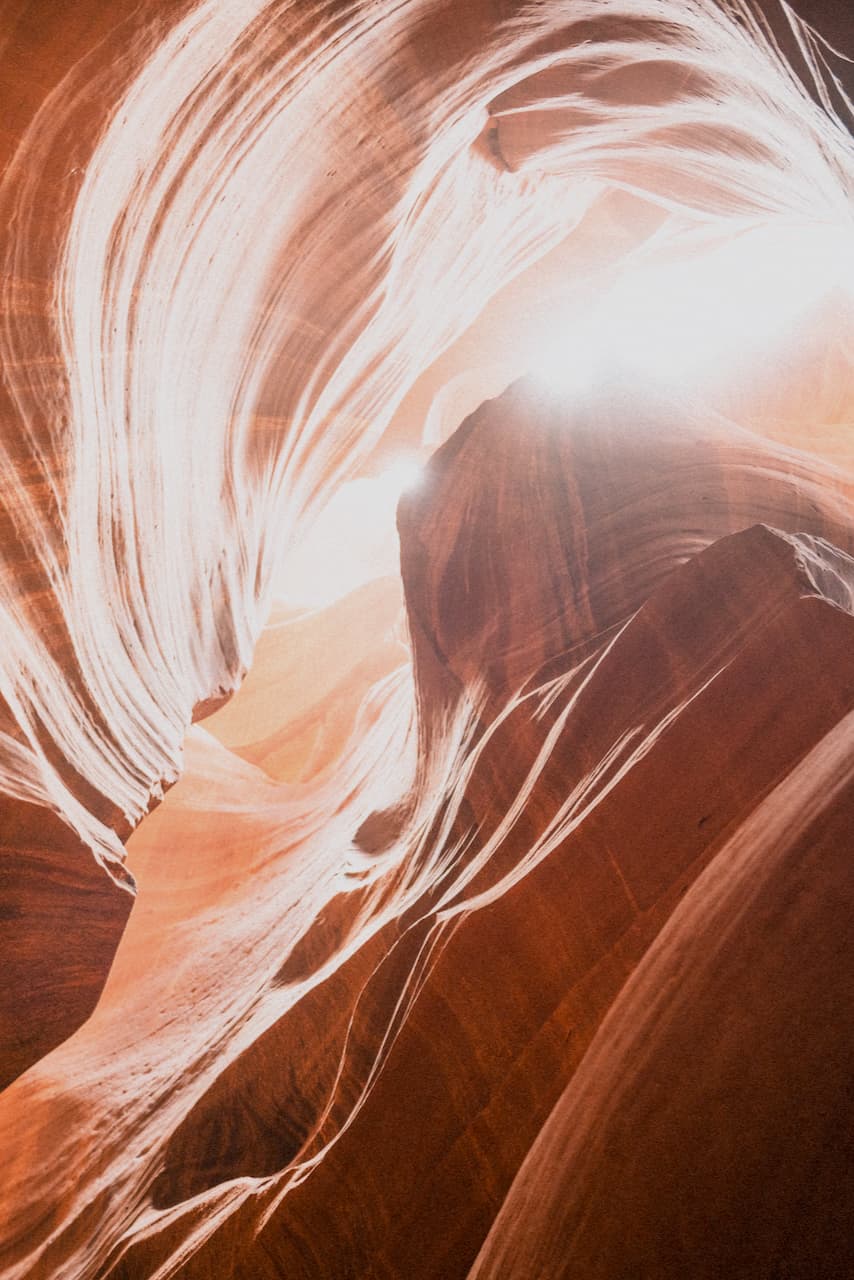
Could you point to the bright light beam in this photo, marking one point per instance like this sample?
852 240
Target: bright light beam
707 317
352 541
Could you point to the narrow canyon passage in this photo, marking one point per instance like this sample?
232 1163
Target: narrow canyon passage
427 664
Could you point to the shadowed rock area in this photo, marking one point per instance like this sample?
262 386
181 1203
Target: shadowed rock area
426 641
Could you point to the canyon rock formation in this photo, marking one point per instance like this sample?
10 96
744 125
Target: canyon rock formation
427 665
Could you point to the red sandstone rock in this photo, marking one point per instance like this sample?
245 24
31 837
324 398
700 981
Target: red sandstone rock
516 956
709 1128
62 916
566 994
399 1110
544 523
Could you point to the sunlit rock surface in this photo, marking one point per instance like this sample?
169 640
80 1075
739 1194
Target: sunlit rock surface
448 408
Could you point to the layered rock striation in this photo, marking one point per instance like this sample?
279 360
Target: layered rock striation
490 920
606 844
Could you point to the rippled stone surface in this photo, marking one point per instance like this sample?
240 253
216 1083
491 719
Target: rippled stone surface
491 918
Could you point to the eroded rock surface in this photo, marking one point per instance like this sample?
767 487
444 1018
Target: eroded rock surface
497 925
403 1046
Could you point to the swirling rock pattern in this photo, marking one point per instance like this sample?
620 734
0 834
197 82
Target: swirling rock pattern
494 923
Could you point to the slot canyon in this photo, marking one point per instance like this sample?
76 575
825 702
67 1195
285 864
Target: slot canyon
427 640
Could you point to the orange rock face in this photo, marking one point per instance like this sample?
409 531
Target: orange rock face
709 1125
427 664
63 916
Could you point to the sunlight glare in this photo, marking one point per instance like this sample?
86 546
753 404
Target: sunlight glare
704 318
352 541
